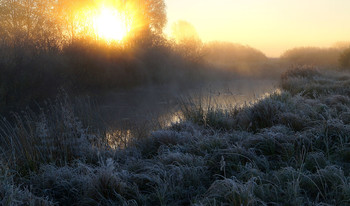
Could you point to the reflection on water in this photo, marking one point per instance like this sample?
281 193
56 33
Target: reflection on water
118 138
169 119
135 113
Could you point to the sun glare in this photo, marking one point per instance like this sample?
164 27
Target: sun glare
110 25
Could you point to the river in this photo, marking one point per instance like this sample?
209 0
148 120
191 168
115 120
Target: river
136 112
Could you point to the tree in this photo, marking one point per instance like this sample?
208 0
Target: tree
183 30
188 43
148 19
56 22
155 15
27 22
70 16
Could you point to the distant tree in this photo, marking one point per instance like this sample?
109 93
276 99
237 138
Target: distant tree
188 43
323 57
237 58
341 45
344 59
156 15
226 53
183 30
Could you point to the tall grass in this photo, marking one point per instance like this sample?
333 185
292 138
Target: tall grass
54 135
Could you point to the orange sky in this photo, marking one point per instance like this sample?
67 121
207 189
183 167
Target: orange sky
269 25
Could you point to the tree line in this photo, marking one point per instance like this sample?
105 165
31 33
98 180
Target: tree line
47 24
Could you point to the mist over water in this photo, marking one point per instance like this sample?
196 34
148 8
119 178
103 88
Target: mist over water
157 107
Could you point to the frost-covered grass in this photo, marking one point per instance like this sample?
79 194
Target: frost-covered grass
290 148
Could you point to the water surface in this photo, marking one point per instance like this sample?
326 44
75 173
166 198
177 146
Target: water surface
138 111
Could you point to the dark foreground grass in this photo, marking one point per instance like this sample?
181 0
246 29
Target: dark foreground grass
290 148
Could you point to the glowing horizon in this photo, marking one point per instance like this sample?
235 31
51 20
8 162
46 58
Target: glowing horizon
272 26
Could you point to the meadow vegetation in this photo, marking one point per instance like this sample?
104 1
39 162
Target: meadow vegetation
288 148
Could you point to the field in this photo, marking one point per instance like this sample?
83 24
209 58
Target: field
288 148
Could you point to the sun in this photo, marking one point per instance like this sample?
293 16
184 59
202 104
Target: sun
110 25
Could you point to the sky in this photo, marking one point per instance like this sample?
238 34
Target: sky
272 26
